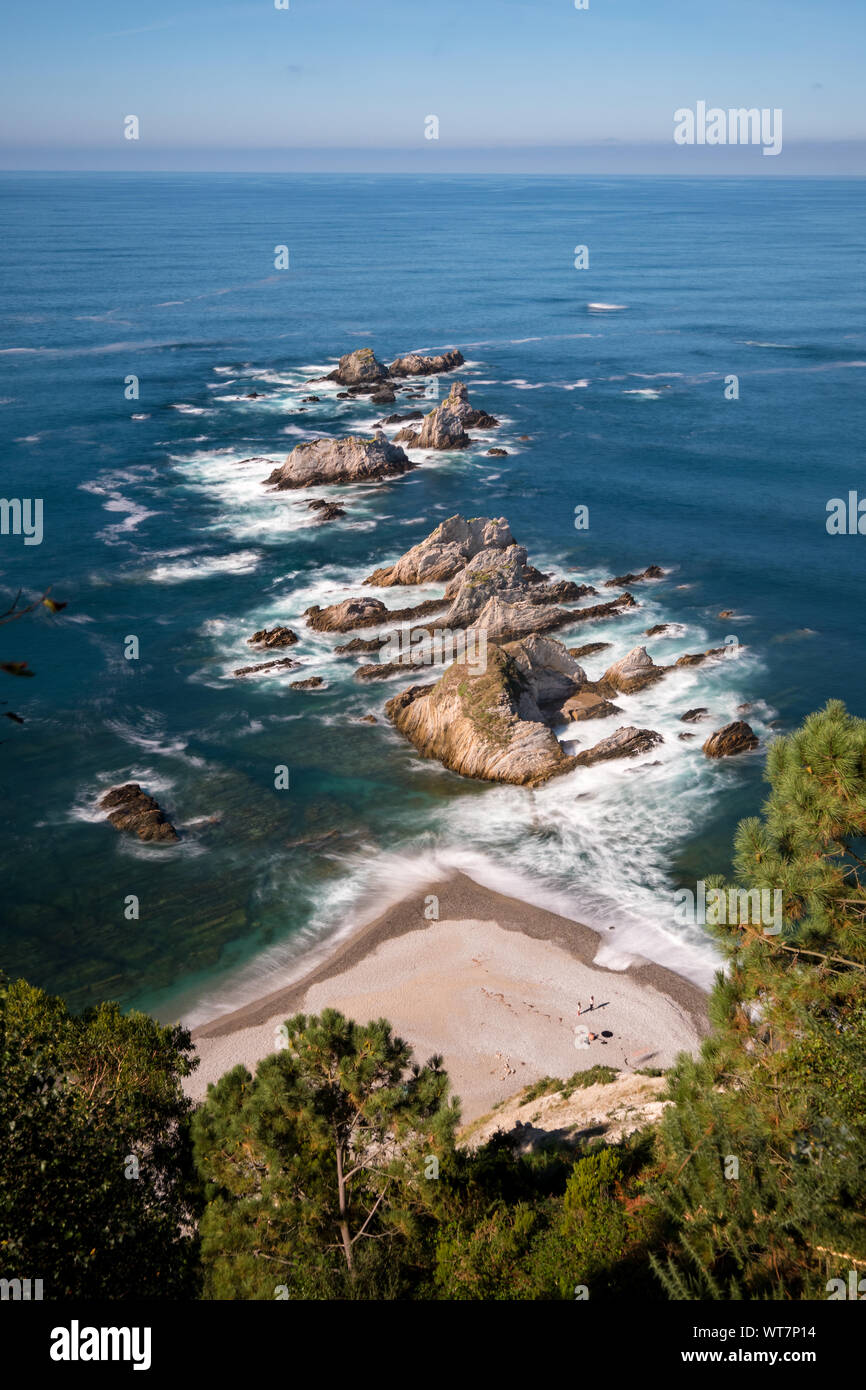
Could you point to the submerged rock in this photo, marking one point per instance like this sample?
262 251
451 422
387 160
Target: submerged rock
445 551
497 453
627 742
129 808
346 460
284 663
695 658
653 572
328 511
737 737
692 716
413 364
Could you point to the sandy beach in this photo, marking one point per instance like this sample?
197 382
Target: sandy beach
493 986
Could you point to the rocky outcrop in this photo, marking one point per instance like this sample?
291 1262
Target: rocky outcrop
696 658
129 808
284 663
587 704
311 683
653 572
403 419
362 644
413 364
550 673
445 551
589 649
627 742
738 737
497 453
505 573
273 637
446 426
365 612
632 672
358 368
482 724
346 460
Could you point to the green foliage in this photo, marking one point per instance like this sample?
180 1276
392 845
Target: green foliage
80 1098
319 1172
781 1084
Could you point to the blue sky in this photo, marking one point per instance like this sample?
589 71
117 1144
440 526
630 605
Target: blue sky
348 83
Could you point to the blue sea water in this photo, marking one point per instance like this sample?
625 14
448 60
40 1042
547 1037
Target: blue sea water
155 528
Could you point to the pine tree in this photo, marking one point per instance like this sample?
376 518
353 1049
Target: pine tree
780 1086
319 1170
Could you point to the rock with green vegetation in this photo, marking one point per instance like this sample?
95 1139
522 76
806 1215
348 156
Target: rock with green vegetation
445 427
414 364
348 460
445 551
484 724
358 368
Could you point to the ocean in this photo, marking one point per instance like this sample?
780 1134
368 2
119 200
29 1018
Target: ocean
610 385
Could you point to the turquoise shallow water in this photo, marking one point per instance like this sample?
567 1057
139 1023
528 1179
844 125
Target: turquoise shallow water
154 528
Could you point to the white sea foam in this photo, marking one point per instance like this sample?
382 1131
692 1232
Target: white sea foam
202 566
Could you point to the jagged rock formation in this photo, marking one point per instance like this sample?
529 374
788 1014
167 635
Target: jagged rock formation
627 742
328 511
652 572
737 737
273 637
284 663
413 364
692 716
588 704
311 683
445 551
550 673
589 649
362 644
695 658
364 612
446 426
358 368
129 808
346 460
482 724
632 672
